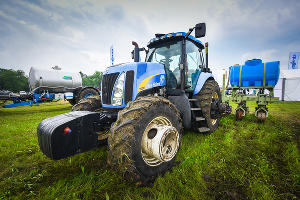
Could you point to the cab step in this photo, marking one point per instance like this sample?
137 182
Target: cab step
200 118
195 108
203 129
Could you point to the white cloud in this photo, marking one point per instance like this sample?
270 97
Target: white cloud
22 22
78 34
96 57
74 35
267 55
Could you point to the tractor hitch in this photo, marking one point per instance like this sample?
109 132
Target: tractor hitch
220 109
71 133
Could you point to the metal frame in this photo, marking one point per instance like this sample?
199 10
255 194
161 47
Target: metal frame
241 99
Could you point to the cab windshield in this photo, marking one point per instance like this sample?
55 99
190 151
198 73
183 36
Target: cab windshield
168 54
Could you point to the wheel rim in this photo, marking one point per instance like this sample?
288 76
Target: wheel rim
239 114
214 96
160 141
261 116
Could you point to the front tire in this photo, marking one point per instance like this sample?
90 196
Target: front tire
72 101
91 103
87 92
145 121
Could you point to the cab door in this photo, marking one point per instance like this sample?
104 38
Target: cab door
195 62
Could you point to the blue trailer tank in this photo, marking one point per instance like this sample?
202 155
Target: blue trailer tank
255 73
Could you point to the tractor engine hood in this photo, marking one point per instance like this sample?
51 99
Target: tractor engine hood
135 78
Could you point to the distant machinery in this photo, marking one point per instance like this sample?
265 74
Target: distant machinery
49 85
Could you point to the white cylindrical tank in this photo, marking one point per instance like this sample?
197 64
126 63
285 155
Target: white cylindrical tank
53 78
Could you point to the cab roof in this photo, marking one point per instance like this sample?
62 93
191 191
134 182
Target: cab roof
161 38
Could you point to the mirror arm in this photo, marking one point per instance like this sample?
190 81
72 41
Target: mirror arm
189 33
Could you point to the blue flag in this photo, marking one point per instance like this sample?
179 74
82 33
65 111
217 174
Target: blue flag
293 61
112 55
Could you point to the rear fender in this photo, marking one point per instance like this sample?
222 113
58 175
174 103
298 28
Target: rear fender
204 76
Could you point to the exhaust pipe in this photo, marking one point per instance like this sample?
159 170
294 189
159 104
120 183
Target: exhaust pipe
136 52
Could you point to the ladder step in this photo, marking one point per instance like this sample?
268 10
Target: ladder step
200 118
203 129
195 108
193 100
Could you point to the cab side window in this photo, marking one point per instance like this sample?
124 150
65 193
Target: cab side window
193 62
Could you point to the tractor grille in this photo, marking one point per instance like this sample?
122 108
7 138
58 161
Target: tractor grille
129 86
108 82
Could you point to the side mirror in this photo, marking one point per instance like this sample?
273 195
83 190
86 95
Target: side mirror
200 30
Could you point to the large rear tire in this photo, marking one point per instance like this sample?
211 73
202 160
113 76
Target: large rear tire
209 94
145 121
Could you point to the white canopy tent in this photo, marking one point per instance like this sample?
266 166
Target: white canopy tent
218 75
288 86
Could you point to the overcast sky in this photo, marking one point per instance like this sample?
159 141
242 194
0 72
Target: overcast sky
77 35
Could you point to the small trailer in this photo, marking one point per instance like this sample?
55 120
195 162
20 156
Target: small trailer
256 76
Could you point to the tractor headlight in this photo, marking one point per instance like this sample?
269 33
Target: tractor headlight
118 91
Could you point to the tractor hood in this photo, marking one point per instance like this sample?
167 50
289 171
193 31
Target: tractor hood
139 76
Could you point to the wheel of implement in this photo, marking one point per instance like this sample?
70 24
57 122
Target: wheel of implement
87 92
91 103
261 116
145 139
209 97
239 114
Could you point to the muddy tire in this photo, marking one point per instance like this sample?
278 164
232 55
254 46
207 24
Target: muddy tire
91 103
72 101
87 92
210 92
128 154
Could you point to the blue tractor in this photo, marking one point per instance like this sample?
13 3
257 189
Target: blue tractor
143 108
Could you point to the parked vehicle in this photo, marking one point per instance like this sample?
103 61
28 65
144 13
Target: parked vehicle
143 108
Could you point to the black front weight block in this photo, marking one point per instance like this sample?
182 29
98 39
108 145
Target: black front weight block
71 133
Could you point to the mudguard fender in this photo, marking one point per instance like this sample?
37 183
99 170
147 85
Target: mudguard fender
201 80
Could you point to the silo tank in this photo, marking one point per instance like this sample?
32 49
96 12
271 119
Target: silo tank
255 73
53 78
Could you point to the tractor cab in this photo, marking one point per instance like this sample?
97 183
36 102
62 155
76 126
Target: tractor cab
171 54
182 57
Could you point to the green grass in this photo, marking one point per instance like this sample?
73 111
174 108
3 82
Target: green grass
241 160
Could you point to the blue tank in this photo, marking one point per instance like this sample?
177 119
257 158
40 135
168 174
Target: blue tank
255 73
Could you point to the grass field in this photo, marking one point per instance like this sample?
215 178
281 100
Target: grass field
241 160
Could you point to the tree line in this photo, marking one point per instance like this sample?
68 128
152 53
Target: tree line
17 80
12 80
92 80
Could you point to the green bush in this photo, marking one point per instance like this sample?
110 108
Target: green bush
12 80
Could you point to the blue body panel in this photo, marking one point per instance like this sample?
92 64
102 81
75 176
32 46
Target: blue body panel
201 80
147 75
150 75
252 74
